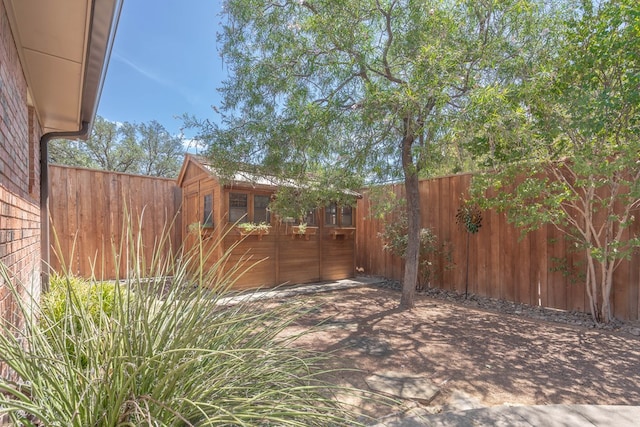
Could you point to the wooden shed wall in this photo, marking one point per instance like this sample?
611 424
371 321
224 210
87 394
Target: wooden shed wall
88 210
195 184
276 258
502 264
299 259
283 258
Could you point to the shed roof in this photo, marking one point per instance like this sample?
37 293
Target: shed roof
242 178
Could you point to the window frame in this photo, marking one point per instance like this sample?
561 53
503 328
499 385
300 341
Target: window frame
243 218
342 215
311 218
266 208
334 212
249 215
207 217
338 212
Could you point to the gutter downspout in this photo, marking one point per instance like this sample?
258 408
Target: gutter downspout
45 248
102 32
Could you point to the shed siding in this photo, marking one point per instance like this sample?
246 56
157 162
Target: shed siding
262 261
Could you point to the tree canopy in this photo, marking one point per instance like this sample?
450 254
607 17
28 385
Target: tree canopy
583 153
146 149
369 89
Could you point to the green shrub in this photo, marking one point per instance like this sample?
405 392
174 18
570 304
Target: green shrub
432 253
73 304
145 354
96 297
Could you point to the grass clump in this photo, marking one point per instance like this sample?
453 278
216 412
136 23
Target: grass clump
142 352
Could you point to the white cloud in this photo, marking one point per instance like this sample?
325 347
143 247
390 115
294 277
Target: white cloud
142 71
149 74
193 146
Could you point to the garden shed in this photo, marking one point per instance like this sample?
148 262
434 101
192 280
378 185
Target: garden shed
323 248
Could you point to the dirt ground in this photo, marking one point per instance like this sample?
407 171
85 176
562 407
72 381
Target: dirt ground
477 357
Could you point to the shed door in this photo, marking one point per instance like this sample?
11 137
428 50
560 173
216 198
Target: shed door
191 216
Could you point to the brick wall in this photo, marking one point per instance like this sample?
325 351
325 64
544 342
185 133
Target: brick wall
19 180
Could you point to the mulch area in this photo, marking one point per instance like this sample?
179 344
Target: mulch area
485 355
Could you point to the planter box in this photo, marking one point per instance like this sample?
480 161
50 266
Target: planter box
342 232
256 232
304 232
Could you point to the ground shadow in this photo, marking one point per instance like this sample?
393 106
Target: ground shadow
494 358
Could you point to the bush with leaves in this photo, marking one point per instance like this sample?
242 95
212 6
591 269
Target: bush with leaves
97 297
94 300
433 254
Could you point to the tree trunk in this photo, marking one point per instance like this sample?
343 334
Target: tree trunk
592 291
607 286
411 184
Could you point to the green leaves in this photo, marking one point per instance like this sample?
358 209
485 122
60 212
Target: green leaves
432 253
146 149
600 76
316 80
577 164
470 216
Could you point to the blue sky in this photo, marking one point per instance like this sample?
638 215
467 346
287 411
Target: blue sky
164 63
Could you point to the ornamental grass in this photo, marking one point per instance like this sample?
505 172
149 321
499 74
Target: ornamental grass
158 349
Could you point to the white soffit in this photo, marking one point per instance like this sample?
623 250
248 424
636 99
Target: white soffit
51 37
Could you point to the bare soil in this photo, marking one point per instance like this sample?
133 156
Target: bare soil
478 357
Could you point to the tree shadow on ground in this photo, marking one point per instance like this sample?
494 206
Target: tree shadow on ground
495 358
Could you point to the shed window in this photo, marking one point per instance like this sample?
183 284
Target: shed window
207 211
346 216
331 214
310 218
261 209
341 216
237 207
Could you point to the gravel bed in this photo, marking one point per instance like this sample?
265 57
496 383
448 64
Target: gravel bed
522 310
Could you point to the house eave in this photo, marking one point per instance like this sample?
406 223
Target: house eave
64 50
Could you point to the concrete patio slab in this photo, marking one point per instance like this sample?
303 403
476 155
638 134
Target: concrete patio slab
525 416
403 385
289 291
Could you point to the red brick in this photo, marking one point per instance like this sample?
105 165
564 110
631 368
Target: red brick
20 133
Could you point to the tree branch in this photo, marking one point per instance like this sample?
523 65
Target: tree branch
385 53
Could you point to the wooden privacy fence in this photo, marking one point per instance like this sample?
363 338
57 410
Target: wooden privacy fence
87 215
89 211
501 263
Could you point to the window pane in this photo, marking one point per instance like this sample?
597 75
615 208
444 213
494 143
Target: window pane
261 209
310 218
237 207
331 214
347 216
207 217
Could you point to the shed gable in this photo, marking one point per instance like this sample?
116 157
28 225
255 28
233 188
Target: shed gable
192 170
